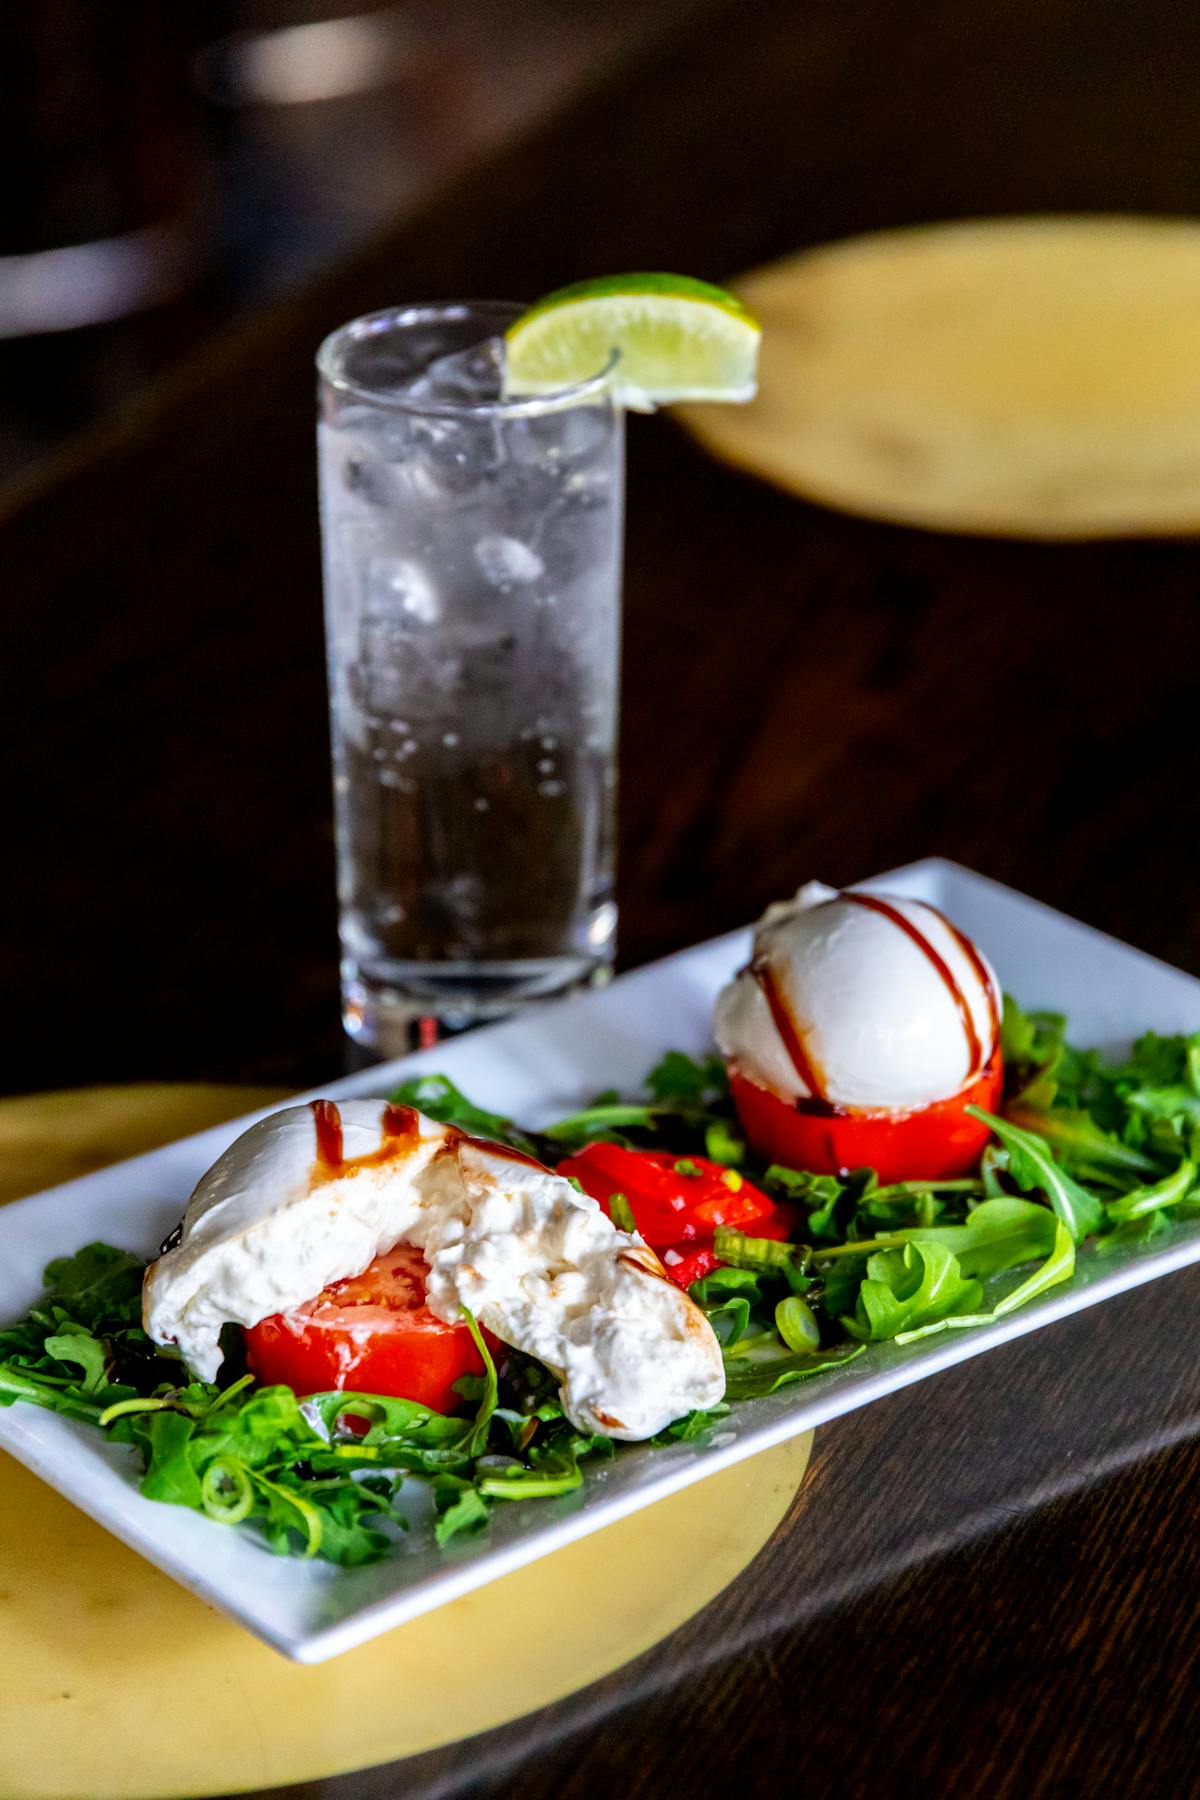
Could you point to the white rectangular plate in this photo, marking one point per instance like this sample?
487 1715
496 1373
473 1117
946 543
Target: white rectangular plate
535 1068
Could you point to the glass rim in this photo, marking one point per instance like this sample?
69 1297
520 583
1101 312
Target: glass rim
331 353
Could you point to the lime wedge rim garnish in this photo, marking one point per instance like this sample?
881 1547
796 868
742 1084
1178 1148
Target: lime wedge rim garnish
665 337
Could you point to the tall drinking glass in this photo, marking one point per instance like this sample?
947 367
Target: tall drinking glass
472 550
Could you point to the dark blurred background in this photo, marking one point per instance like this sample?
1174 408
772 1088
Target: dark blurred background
175 163
196 193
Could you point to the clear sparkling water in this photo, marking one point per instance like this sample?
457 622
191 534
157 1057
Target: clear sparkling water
472 569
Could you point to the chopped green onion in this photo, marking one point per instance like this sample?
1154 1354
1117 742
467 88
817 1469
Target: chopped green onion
763 1255
685 1166
134 1406
531 1484
733 1181
227 1492
797 1325
598 1121
621 1213
720 1144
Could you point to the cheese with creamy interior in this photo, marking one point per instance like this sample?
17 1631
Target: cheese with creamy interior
538 1263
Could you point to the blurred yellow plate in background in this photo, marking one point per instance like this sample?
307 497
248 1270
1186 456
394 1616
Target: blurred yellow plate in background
48 1138
122 1684
1031 378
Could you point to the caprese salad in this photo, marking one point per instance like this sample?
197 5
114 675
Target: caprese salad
367 1294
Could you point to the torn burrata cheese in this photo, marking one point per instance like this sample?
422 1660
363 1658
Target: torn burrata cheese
313 1194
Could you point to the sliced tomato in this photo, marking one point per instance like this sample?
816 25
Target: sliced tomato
678 1202
674 1199
691 1260
372 1333
929 1143
685 1263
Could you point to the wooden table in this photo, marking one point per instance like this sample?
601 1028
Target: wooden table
988 1585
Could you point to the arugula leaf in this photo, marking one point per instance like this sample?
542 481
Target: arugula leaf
839 1280
98 1281
259 1459
687 1098
694 1427
998 1235
167 1440
607 1122
82 1345
1174 1101
1109 1123
680 1081
552 1467
803 1184
390 1423
349 1514
460 1508
727 1297
476 1439
1031 1165
729 1319
1143 1231
1077 1139
1167 1192
1159 1061
1030 1037
76 1345
823 1194
1046 1074
749 1380
1058 1267
17 1384
903 1289
285 1510
718 1284
505 1478
849 1207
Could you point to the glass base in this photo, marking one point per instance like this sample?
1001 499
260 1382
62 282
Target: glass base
419 1004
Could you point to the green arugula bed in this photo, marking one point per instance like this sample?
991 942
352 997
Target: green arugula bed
1087 1156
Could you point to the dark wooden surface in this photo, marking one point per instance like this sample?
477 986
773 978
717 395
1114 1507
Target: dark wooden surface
988 1586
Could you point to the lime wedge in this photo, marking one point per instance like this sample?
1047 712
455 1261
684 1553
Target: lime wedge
668 338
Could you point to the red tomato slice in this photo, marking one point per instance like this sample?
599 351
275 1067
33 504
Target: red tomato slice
687 1262
931 1142
684 1263
670 1207
371 1333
